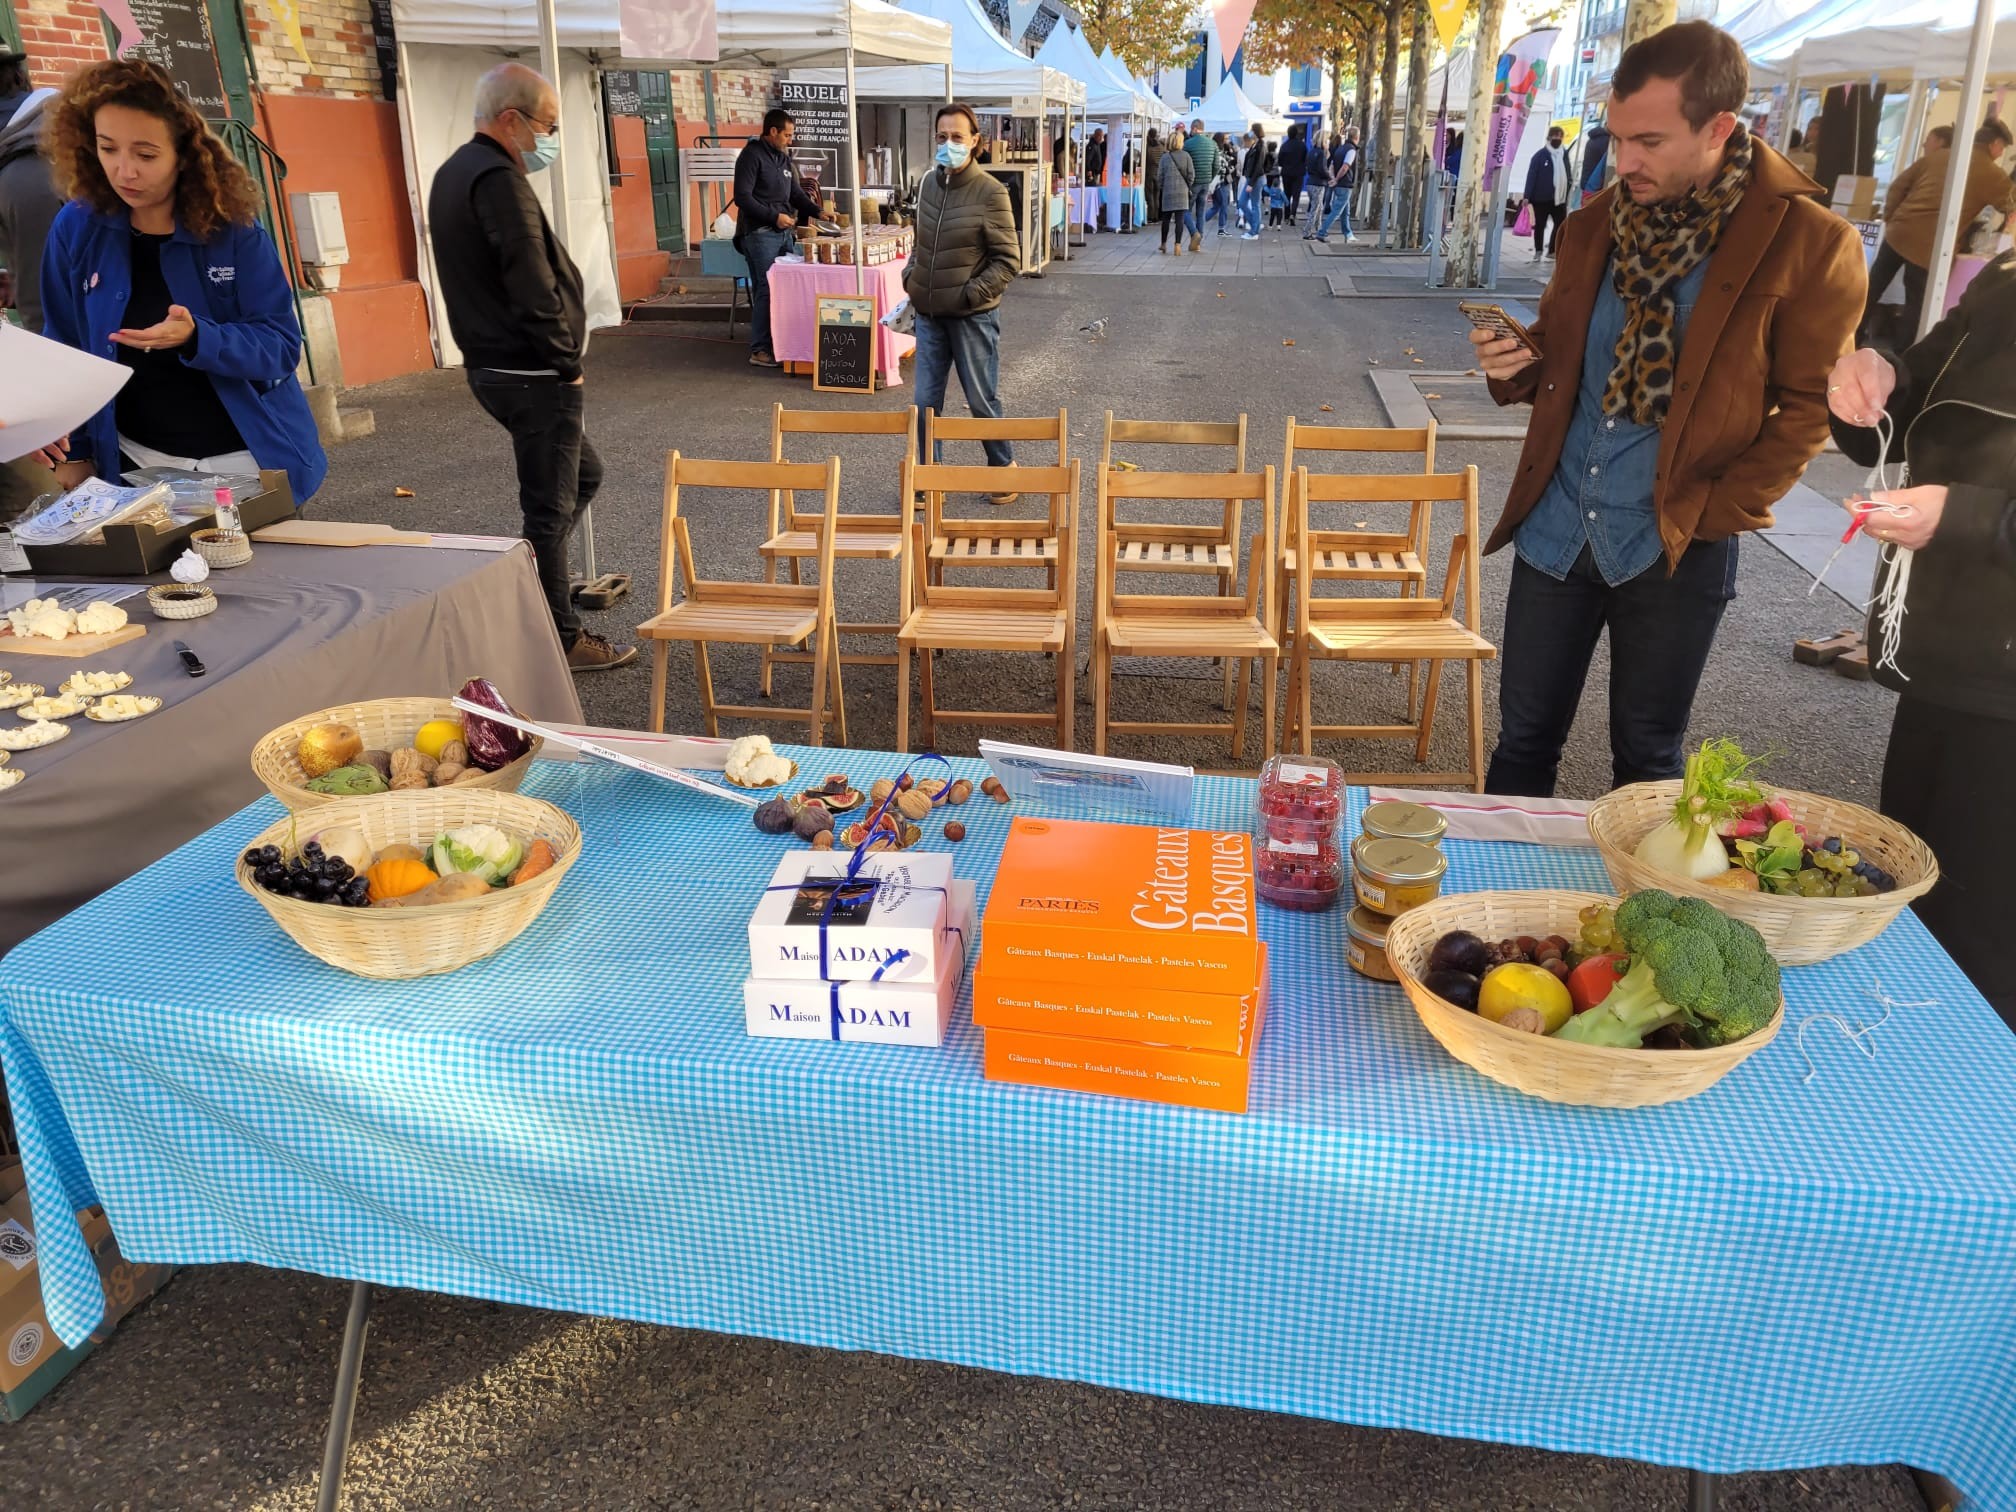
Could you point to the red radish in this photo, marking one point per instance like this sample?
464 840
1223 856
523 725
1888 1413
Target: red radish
1781 811
1745 829
1590 983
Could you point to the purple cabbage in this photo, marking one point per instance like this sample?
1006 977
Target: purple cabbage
491 745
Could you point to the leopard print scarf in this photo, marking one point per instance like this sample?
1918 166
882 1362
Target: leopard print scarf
1656 247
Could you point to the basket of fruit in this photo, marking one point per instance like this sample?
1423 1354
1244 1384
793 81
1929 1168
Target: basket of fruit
393 745
411 884
1563 996
1815 876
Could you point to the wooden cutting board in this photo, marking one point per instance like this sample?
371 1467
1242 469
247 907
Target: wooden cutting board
339 533
71 645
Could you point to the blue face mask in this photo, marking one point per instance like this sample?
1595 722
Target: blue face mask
953 155
544 150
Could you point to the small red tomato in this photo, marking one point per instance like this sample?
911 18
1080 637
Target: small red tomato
1590 983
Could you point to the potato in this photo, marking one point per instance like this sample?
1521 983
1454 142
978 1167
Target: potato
400 853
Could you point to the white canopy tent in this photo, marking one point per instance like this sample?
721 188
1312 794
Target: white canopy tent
1106 96
1229 108
1921 39
446 45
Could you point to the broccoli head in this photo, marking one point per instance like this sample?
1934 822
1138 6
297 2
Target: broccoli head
1693 966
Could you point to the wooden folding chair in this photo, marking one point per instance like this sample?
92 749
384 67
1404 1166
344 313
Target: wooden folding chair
995 541
794 536
1433 630
970 617
1356 555
756 614
1172 546
1228 625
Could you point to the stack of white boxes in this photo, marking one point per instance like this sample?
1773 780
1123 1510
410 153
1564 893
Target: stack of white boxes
892 956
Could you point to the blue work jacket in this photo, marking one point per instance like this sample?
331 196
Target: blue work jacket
247 338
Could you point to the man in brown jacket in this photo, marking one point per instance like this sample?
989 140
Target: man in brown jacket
965 257
1678 391
1911 216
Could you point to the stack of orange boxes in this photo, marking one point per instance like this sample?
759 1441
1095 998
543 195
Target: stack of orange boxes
1123 959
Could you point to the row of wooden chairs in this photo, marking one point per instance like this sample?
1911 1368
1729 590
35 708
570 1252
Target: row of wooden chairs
1249 632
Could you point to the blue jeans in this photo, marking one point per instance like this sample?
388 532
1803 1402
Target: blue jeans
1339 212
1221 207
1661 630
1249 207
760 248
1200 197
972 344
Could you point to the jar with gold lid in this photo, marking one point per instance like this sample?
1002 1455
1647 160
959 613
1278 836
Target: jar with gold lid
1392 876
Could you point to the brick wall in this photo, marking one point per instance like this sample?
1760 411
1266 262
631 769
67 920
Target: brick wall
342 54
740 98
58 35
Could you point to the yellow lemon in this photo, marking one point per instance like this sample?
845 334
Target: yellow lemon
1517 985
435 735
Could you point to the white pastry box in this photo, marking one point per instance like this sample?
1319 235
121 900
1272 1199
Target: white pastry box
893 927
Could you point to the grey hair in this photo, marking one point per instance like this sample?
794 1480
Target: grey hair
509 86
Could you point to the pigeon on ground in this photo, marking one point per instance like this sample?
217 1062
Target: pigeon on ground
1096 330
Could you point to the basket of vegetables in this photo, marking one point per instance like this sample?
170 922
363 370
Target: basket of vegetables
1815 876
411 884
1565 996
393 745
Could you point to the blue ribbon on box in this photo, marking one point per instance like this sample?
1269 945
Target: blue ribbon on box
851 877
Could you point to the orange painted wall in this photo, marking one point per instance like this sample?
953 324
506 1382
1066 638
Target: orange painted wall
351 145
639 263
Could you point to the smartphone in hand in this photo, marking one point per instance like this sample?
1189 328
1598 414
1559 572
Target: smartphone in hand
1494 318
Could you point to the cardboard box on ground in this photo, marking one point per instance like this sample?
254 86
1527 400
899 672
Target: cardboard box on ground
32 1359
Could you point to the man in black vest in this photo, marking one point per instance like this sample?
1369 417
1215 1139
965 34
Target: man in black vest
514 307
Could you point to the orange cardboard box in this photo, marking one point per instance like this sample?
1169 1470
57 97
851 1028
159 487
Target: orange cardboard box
1113 1010
1117 1068
1129 904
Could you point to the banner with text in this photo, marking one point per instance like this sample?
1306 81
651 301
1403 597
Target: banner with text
1522 74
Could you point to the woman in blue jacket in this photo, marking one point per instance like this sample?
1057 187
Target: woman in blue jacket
158 263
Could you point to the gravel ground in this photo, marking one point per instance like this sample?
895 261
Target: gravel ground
215 1394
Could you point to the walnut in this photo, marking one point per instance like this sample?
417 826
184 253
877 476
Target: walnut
470 774
931 787
912 804
455 753
881 788
446 771
407 765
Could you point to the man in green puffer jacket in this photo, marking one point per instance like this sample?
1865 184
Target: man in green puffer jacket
1204 159
966 255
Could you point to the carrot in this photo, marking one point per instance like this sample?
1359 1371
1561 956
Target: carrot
539 857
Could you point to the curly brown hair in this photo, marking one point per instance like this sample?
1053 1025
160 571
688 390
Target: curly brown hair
212 190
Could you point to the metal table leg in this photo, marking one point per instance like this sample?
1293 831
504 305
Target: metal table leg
344 1410
1701 1496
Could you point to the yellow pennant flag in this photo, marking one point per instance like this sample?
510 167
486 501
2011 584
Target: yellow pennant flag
288 14
1448 16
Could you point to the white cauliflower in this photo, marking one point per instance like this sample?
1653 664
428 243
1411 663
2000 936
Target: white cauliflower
100 619
753 763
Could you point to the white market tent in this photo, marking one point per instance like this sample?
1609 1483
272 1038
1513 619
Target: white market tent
984 67
446 45
1919 39
1068 52
1230 109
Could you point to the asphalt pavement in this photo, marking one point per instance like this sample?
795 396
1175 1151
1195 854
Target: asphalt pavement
214 1395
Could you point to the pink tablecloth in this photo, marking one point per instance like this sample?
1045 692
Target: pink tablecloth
795 285
1965 267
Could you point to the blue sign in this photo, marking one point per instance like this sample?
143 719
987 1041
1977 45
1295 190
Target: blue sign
1305 107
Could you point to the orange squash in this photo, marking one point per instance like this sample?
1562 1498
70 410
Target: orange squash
398 877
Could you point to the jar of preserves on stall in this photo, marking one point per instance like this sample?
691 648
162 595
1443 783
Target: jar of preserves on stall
1392 876
1394 819
1298 833
1365 944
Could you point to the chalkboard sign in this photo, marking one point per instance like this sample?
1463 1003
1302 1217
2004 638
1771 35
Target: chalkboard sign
820 111
621 93
388 47
844 355
178 39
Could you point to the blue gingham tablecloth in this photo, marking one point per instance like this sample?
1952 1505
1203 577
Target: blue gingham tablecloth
1776 1273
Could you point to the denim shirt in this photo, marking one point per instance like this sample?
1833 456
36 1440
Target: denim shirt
1601 492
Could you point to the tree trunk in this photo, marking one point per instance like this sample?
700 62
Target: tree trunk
1474 202
1644 17
1379 134
1413 144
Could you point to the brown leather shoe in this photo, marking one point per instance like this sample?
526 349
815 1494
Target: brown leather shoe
592 653
1003 498
1196 241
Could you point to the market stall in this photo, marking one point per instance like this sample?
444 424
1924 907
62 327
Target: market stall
1381 1220
1001 84
298 627
1108 100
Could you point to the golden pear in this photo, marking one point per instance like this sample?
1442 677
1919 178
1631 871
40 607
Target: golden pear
326 747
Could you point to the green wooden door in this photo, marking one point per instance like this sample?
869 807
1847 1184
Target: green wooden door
661 148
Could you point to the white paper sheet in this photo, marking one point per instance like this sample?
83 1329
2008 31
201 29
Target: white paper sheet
48 389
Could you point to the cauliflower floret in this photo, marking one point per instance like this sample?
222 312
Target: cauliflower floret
753 763
100 619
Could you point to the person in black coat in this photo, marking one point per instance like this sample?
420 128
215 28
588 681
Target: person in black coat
1950 653
1253 180
1547 187
1596 160
769 199
1294 165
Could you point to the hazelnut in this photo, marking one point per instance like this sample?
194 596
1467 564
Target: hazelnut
989 785
954 830
913 805
961 791
1000 793
823 840
905 783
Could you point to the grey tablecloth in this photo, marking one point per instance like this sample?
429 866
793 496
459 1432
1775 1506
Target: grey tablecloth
297 629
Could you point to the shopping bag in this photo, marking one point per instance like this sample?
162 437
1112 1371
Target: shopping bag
1524 225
